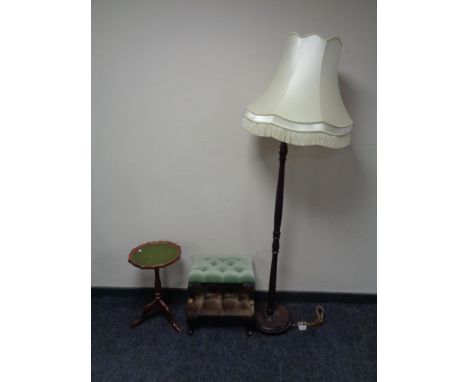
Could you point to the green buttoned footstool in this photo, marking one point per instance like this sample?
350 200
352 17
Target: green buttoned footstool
221 287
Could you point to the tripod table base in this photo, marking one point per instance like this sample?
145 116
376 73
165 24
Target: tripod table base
157 305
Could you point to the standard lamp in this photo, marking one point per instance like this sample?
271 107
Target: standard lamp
301 106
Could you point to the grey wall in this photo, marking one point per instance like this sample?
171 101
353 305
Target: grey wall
171 161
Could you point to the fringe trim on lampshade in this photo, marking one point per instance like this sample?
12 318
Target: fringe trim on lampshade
296 138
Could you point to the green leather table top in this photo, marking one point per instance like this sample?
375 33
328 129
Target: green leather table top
156 254
216 269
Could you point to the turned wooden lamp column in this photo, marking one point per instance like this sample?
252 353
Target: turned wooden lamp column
301 106
274 317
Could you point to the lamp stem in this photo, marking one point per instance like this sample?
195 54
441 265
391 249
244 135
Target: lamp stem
283 151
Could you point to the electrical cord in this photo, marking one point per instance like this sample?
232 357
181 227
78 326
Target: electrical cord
316 322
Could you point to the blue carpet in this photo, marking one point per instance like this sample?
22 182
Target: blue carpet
344 349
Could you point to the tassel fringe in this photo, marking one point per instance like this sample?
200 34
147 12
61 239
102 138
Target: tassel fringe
296 138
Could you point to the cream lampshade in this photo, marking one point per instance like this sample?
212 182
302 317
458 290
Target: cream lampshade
303 105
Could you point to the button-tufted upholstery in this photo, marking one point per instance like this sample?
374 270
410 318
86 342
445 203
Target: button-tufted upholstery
216 269
234 304
221 287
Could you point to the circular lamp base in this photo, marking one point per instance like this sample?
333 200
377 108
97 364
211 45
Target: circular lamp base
276 323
